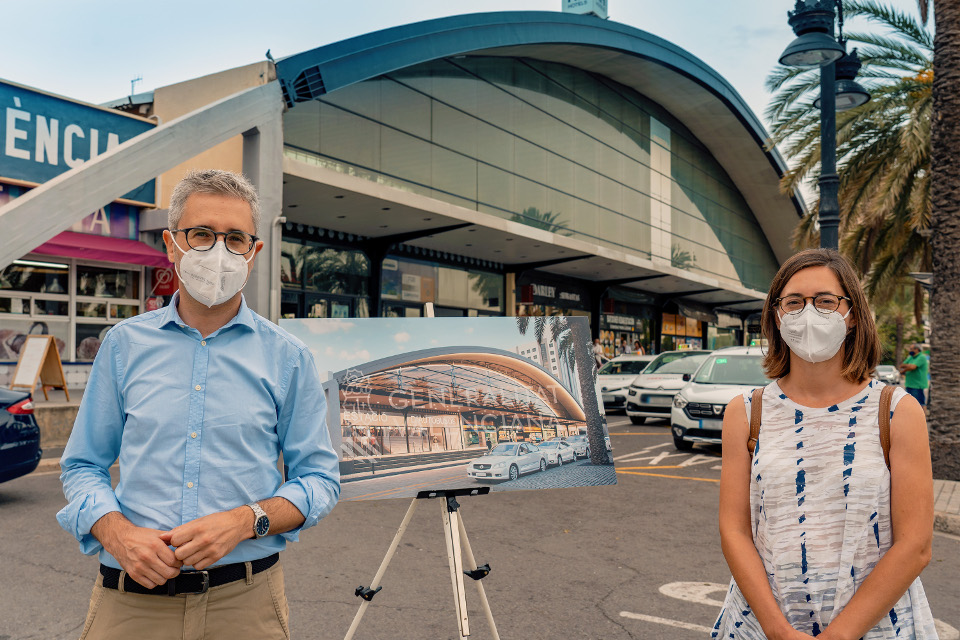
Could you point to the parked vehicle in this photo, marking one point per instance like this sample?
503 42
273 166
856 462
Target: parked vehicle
651 392
887 373
580 444
616 375
508 461
19 435
558 452
697 411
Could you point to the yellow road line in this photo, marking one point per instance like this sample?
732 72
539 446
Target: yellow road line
663 475
676 466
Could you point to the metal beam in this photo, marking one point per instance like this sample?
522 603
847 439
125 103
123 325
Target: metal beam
43 212
683 294
618 281
397 238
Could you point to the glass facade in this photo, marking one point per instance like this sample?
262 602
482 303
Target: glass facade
544 144
323 281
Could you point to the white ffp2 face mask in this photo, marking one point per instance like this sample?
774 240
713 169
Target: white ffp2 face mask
214 276
812 335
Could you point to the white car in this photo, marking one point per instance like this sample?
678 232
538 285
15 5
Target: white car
616 375
651 392
580 444
508 461
697 412
558 452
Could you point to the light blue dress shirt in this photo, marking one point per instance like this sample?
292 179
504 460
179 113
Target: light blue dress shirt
198 425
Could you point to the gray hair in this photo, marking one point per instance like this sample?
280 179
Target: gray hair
214 181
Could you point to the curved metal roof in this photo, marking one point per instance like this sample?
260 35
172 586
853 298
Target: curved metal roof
524 371
681 83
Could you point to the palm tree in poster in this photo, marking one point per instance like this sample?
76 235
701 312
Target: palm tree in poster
945 238
577 336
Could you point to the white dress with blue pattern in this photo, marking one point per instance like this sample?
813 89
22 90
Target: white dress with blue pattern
820 512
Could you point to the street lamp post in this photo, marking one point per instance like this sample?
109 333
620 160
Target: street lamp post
815 46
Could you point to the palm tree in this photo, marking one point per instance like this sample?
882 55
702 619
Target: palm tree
945 225
897 311
883 147
577 334
681 258
548 220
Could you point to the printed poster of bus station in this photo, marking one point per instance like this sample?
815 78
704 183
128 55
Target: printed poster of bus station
416 404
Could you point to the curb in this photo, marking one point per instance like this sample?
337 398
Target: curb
946 523
47 465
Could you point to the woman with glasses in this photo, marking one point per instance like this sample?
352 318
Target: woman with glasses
822 538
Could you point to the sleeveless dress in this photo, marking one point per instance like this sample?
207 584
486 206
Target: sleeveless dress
820 513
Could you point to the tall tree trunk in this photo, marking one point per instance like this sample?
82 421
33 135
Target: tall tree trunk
585 368
945 197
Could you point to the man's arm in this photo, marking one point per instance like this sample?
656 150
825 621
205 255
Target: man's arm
92 514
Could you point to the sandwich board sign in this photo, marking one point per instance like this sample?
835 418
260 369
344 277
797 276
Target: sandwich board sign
40 361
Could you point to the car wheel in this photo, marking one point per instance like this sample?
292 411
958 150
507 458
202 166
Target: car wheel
543 464
681 444
514 472
637 419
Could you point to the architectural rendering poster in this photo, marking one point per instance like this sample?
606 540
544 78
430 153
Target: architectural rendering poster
419 404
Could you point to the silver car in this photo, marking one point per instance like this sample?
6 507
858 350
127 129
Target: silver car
615 376
558 452
508 461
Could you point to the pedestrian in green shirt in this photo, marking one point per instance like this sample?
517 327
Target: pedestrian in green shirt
914 370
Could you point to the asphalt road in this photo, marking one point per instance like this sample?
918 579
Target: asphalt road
637 560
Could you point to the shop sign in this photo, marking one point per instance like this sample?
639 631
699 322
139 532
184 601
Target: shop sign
625 323
528 292
163 282
375 419
113 220
593 7
42 136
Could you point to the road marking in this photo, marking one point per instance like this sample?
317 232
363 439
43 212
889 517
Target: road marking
695 592
676 466
945 631
670 623
698 459
643 451
663 475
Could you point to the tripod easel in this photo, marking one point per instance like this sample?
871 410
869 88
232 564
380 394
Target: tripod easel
457 543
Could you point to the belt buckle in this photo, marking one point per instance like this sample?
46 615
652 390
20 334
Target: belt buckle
206 582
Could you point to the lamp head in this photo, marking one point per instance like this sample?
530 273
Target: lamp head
812 22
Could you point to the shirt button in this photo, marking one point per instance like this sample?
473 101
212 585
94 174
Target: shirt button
197 387
203 343
190 485
193 435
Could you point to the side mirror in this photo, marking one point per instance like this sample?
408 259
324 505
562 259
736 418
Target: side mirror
687 377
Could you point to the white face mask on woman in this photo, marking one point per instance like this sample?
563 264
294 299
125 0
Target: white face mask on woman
213 276
813 335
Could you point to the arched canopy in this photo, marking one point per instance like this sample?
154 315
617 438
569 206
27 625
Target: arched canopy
685 86
523 372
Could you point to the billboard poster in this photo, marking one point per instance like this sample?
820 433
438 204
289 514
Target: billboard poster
448 403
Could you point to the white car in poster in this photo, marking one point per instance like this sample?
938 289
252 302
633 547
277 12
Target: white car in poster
580 444
558 452
508 461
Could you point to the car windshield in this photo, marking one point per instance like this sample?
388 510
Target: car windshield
549 445
886 368
622 367
721 369
677 362
503 450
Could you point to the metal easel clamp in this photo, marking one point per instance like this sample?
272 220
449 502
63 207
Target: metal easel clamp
452 504
479 573
365 593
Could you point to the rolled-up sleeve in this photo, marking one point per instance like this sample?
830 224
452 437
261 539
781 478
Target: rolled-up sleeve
93 446
313 484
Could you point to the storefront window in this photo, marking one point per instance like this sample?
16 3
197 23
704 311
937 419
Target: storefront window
92 309
35 276
123 311
323 281
679 332
88 339
13 333
104 282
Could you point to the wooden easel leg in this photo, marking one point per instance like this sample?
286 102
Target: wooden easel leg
67 392
45 396
451 531
383 568
472 565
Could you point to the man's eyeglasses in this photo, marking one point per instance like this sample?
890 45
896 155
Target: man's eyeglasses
203 239
824 303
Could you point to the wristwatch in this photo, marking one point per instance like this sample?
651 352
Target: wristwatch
261 523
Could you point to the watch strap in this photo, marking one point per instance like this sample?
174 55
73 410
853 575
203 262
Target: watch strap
258 513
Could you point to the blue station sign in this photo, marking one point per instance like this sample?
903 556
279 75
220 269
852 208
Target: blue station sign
43 135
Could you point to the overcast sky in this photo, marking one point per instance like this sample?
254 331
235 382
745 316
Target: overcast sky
91 50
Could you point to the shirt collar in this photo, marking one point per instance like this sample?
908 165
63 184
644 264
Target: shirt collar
244 315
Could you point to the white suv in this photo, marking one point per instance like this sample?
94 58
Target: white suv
697 411
651 392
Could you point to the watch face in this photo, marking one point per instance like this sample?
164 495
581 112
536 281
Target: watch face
262 526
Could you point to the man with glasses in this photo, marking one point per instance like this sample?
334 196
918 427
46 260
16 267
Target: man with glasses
198 400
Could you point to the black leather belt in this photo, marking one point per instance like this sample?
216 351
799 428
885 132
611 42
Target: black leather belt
188 581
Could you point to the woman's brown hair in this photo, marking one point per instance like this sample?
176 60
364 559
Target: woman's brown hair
861 347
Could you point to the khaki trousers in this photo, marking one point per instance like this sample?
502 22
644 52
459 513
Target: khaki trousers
251 608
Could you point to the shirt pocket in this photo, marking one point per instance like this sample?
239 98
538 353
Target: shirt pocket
239 458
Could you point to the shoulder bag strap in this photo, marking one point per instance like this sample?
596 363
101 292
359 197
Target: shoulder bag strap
886 395
756 409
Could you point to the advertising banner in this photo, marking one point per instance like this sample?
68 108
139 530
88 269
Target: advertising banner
449 403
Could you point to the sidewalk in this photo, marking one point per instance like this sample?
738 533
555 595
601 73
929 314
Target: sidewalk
946 506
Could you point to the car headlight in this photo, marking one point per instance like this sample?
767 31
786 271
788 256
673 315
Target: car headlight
499 465
679 401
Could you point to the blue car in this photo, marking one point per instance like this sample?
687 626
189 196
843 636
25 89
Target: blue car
19 435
